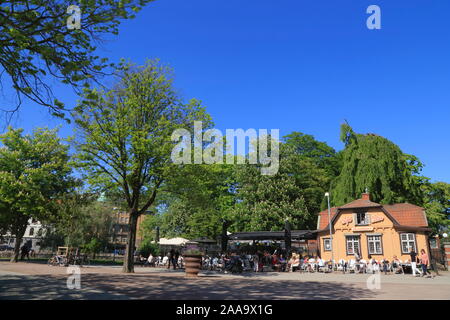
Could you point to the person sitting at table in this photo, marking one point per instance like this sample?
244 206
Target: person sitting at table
320 264
294 263
275 262
311 264
363 266
342 264
357 258
283 262
149 261
396 266
385 265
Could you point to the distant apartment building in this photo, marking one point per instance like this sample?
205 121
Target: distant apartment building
120 230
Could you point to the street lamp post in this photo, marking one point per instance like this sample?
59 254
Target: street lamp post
327 194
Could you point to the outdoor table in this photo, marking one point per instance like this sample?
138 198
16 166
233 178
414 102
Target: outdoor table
407 267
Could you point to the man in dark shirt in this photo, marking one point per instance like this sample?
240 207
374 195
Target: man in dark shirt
413 256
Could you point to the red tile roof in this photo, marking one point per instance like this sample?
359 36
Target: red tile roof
405 214
360 203
323 218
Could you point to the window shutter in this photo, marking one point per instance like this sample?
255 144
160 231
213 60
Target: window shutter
355 219
369 220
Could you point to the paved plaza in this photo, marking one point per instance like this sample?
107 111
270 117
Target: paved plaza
38 281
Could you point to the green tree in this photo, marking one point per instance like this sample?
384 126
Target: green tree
93 247
82 222
194 203
318 152
373 162
437 205
36 46
314 164
34 175
306 169
124 137
147 247
265 202
203 195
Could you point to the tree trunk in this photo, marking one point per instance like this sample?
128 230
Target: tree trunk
19 236
19 228
15 256
128 262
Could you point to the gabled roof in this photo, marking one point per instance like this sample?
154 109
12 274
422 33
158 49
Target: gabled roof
402 214
323 218
360 203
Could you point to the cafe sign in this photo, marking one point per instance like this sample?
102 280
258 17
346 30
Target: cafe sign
362 229
347 221
377 219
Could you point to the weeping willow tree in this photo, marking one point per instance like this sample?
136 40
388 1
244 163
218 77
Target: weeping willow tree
375 163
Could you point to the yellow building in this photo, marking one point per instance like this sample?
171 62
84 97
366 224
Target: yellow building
371 228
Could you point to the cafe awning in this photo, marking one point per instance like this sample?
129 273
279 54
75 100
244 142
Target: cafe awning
273 235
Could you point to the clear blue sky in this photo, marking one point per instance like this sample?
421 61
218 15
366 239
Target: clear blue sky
302 65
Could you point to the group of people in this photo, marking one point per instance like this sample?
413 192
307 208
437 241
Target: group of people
278 261
396 266
257 262
171 259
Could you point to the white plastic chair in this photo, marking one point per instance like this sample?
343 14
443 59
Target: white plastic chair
352 265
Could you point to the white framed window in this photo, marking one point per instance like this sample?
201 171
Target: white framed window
408 242
327 244
374 244
362 219
352 244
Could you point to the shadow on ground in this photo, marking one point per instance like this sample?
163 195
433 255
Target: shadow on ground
145 286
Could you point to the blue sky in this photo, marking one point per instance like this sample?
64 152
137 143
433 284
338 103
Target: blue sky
301 65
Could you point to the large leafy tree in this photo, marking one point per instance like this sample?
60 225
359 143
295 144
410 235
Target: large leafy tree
36 46
373 162
84 222
124 137
34 175
196 200
314 164
306 147
265 202
206 195
295 193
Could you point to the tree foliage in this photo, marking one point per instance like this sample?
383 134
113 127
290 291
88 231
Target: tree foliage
36 46
34 175
437 205
84 222
196 199
373 162
124 136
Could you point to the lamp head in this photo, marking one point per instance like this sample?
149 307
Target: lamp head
327 194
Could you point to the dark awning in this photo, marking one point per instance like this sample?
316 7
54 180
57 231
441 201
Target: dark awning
272 235
205 241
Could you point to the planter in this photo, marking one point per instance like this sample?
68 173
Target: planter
192 265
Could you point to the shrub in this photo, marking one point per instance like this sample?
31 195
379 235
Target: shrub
148 247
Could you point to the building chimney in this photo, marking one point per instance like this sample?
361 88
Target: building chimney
365 196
